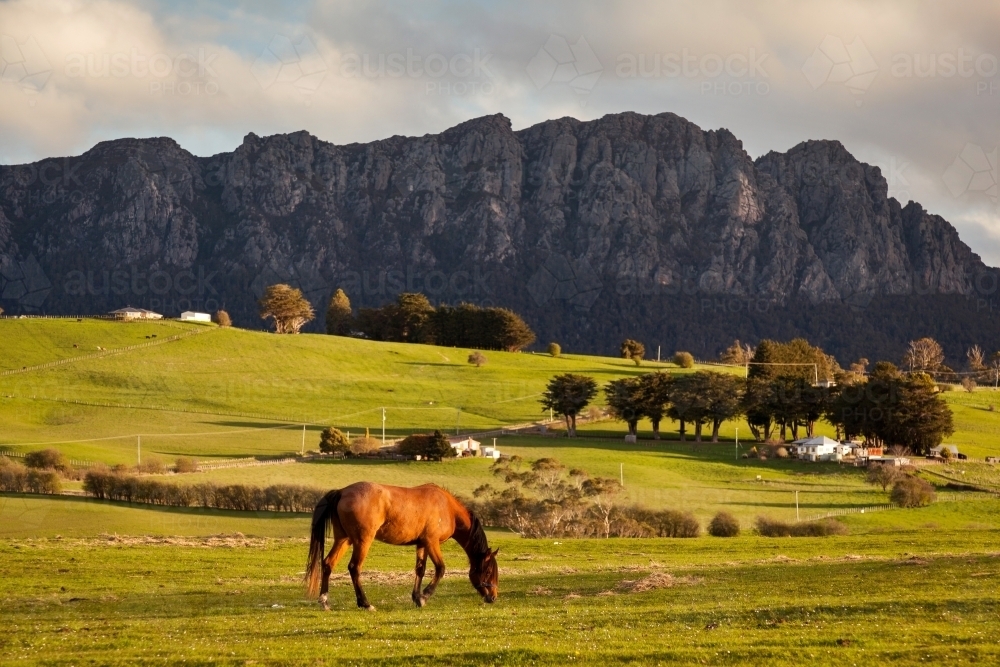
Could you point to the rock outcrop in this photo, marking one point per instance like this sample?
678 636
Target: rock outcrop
591 229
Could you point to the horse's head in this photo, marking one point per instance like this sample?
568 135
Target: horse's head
485 575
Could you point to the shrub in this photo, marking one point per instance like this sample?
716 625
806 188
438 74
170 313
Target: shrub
781 452
724 524
672 523
222 318
554 349
46 459
477 358
767 527
332 441
684 359
634 350
185 464
152 466
945 452
912 492
968 384
364 445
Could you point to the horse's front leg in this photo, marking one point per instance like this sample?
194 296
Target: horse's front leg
418 577
434 551
354 567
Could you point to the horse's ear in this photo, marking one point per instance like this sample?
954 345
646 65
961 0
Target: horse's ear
495 552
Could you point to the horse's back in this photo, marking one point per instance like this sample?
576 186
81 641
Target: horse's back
396 514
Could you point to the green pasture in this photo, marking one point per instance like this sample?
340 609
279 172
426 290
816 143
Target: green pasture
922 596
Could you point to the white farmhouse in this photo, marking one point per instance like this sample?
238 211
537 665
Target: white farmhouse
465 446
820 448
130 313
191 316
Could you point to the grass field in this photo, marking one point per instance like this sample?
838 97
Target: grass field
85 581
908 597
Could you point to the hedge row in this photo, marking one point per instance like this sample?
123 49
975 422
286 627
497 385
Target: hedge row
129 488
16 478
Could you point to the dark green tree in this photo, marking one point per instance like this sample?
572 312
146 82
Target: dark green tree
633 349
332 440
567 395
623 399
339 317
654 397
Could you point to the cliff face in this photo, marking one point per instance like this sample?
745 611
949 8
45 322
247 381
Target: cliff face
589 228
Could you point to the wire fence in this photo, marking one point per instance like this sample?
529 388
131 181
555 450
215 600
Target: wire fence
103 353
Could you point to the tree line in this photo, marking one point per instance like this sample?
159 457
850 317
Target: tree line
787 388
409 319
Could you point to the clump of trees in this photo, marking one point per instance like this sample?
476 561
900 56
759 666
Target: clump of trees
634 350
567 395
46 459
412 319
545 499
428 446
287 307
477 359
185 464
17 478
110 485
364 445
333 441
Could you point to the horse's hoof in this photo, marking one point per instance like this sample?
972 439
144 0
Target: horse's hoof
369 608
420 601
323 603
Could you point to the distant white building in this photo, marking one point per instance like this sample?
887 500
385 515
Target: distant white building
191 316
820 448
130 313
463 445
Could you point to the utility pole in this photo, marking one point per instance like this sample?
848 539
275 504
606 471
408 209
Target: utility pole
737 443
138 449
383 427
621 474
657 354
303 440
796 505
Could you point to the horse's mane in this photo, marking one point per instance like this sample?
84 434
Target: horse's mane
477 544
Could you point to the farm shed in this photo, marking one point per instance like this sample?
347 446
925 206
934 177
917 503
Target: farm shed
465 446
820 448
130 313
192 316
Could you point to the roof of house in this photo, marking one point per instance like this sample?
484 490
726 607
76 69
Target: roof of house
818 440
129 309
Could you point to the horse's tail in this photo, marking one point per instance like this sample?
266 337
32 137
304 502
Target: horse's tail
321 521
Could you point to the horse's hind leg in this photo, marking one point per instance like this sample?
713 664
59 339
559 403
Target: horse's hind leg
434 551
354 567
339 547
418 577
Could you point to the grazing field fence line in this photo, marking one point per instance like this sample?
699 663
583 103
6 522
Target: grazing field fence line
853 510
76 463
103 353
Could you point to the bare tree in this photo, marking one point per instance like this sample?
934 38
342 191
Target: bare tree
882 475
976 358
924 355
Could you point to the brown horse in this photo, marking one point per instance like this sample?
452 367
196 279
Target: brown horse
424 516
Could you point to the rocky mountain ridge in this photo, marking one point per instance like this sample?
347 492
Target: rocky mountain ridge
591 229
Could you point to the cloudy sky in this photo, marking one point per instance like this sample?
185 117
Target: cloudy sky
910 86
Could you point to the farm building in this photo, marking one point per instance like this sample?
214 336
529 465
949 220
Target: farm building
820 448
465 446
936 452
130 313
191 316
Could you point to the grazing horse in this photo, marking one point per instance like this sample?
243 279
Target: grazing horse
424 516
